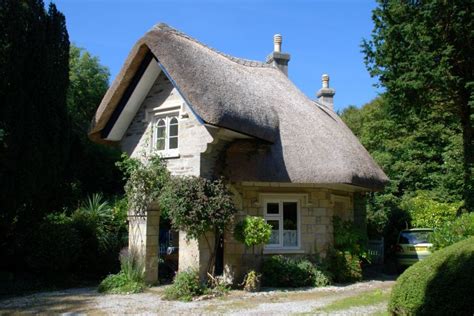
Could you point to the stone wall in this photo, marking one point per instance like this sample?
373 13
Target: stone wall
193 139
317 208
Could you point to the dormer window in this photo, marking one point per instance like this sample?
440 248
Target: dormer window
166 134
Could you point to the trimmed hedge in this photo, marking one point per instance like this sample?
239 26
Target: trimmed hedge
442 284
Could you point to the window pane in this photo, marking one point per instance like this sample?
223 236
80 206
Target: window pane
174 120
290 224
174 130
160 132
160 144
173 142
272 208
275 236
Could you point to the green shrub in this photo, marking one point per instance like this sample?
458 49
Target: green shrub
453 231
428 213
349 238
130 279
252 231
322 279
442 284
55 246
280 271
120 284
186 285
343 266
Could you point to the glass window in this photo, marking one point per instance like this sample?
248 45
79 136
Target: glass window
173 133
290 224
283 217
161 134
166 134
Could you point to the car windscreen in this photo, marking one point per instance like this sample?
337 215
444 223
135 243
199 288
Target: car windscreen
414 237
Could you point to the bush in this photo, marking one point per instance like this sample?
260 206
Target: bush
55 246
428 213
439 285
343 266
349 238
280 271
252 231
130 279
186 285
453 231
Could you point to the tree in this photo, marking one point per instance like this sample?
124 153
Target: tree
422 53
89 80
34 57
421 151
92 166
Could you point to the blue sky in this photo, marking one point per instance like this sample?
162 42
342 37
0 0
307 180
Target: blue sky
321 36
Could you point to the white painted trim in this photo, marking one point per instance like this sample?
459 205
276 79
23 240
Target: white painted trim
167 116
135 101
280 199
276 251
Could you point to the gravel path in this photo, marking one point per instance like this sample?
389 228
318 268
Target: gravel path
270 302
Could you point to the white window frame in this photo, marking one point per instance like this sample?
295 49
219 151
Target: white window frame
279 217
167 117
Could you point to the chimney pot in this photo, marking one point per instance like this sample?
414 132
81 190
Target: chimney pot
325 80
277 40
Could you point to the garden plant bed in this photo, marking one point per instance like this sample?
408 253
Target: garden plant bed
338 299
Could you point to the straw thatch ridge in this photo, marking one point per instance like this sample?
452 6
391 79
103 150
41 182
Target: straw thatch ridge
305 141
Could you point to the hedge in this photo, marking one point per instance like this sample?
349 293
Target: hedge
442 284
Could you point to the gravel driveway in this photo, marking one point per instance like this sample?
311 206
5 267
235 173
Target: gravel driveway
269 302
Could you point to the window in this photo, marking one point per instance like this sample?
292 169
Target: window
166 133
283 216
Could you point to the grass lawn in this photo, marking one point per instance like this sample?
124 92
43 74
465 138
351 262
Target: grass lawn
365 299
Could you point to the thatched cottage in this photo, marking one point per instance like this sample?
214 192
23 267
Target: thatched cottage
287 157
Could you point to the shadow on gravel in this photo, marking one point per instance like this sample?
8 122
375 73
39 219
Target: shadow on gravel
75 300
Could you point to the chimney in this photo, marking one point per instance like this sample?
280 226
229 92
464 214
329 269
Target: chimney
325 94
277 58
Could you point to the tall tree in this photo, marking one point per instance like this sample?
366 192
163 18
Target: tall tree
92 166
34 57
422 52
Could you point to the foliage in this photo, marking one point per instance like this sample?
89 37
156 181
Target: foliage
197 205
252 231
343 266
55 246
186 285
421 151
428 213
280 271
453 231
130 279
252 281
89 80
439 285
83 243
145 181
34 49
349 238
46 161
420 50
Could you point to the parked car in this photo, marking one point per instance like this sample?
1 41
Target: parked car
413 245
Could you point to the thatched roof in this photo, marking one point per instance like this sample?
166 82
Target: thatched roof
307 143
